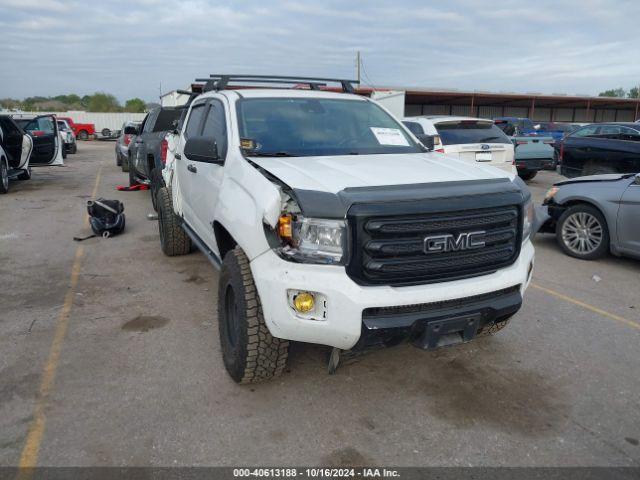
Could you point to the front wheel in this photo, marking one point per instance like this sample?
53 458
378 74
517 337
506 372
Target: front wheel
173 239
132 174
83 135
4 176
582 232
249 352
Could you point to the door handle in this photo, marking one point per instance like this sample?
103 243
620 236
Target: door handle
192 168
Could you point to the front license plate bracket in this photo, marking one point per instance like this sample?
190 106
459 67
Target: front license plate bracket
450 331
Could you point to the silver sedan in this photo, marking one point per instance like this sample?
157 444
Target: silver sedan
596 214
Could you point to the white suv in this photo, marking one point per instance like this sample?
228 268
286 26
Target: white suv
332 224
467 138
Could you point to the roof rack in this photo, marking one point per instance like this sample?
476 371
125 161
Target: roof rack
221 81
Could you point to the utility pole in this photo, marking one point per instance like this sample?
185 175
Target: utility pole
358 66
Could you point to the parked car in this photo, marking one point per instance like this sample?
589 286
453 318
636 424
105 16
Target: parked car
48 147
532 154
556 130
466 138
596 214
147 151
127 133
601 148
68 137
518 125
16 147
82 131
332 224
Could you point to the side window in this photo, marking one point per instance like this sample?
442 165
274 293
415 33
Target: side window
144 121
629 134
194 122
609 130
215 126
149 122
588 131
414 127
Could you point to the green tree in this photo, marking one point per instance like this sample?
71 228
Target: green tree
614 92
634 92
71 99
103 102
134 105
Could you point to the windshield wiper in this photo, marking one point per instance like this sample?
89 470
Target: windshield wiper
486 139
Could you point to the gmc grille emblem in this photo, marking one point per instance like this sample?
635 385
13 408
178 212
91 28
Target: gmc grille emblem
451 243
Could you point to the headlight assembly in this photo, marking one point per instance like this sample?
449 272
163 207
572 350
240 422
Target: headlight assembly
312 240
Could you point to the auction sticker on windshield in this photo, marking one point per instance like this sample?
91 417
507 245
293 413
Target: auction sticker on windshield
389 136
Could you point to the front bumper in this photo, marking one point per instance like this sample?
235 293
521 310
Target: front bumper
346 301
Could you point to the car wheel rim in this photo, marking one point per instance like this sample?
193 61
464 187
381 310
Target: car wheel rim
231 316
582 233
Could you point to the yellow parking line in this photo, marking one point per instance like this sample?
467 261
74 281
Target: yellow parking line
29 456
597 310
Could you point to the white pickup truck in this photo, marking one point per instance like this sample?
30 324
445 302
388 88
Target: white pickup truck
332 224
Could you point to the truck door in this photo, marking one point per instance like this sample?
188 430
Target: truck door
47 144
184 166
136 147
205 178
629 218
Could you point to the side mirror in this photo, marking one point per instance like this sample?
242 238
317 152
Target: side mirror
426 140
130 130
202 149
637 180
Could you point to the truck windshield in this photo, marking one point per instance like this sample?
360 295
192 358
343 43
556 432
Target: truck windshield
320 127
470 132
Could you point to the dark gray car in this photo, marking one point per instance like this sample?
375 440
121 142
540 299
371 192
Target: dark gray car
145 153
595 214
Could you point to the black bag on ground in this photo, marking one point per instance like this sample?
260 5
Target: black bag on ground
106 216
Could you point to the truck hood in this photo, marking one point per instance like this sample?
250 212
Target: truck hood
333 174
607 177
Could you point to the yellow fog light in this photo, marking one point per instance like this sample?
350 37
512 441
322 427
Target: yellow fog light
303 302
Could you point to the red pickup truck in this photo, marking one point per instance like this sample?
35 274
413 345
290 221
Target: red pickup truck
82 130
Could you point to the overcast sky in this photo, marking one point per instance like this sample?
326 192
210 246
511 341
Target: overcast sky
128 48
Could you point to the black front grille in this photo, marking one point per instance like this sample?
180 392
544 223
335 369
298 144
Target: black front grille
390 250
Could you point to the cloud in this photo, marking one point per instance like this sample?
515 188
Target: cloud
129 47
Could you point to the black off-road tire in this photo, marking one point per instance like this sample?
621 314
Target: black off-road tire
250 353
25 175
173 239
527 175
74 148
596 168
4 176
157 182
